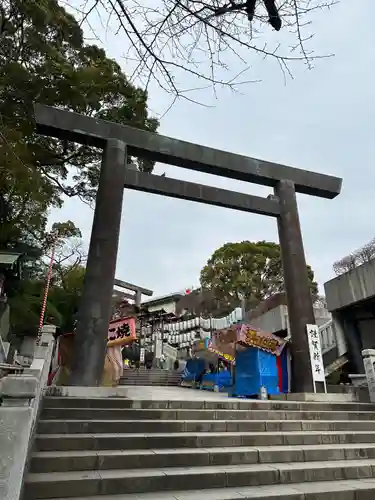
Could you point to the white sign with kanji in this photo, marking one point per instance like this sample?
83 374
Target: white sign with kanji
142 355
316 356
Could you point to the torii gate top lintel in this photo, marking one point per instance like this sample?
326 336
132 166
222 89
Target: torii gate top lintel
133 288
85 130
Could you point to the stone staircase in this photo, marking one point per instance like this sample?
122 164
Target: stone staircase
119 449
155 376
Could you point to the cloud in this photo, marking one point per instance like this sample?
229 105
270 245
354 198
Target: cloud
321 121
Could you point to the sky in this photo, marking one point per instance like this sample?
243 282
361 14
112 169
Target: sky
322 120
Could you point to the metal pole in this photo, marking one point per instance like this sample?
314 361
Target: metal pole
95 308
297 287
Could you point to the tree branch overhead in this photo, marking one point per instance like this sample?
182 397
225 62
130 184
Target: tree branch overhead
169 38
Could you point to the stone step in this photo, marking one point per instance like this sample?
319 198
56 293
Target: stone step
351 489
150 383
164 426
219 404
111 482
166 414
155 375
128 441
149 374
143 369
67 461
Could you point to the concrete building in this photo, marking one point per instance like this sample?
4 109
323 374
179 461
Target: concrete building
351 301
276 320
272 316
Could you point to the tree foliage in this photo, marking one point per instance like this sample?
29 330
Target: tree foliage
247 271
26 298
43 58
168 39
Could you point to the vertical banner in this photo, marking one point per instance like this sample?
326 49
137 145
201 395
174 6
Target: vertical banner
316 356
158 348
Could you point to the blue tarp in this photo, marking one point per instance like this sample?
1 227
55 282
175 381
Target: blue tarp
194 368
221 380
255 368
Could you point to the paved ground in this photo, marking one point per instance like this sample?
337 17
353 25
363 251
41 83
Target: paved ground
163 393
156 393
140 392
173 394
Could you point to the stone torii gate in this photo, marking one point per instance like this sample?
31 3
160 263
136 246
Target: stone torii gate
136 296
119 140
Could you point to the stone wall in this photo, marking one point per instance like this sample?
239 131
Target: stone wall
21 401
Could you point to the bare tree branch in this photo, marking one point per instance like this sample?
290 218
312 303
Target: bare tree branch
71 255
345 264
366 253
169 38
355 259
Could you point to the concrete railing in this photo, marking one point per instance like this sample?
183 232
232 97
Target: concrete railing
21 402
327 336
358 379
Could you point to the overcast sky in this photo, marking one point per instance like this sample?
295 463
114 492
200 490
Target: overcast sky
323 120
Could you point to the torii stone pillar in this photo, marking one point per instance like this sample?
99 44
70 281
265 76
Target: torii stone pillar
297 287
94 313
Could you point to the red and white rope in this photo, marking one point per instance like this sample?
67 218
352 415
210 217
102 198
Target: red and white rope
46 290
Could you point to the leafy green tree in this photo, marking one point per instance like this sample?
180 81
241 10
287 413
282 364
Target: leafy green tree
68 273
63 299
43 58
65 296
25 307
247 271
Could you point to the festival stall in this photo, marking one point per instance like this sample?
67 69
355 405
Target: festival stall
120 332
219 377
61 360
194 370
203 368
261 362
253 359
